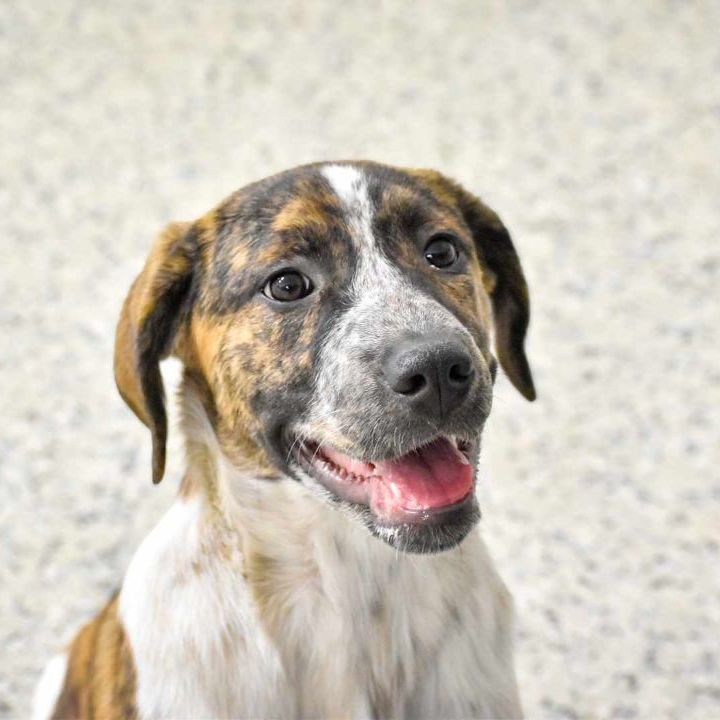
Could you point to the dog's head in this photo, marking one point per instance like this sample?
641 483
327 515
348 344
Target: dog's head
337 320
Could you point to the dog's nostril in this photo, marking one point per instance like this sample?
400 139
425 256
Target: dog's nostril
409 384
461 371
432 375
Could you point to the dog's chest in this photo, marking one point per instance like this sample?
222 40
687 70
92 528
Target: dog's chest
354 633
328 625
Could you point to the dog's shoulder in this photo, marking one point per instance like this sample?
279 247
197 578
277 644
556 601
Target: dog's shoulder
187 610
96 675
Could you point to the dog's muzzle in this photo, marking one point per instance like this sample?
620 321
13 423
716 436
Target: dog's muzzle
408 462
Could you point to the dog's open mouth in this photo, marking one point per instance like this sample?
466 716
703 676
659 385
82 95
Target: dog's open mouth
422 485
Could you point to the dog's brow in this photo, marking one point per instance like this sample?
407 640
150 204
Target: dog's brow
310 212
291 246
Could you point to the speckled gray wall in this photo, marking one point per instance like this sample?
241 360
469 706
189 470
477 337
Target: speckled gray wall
593 127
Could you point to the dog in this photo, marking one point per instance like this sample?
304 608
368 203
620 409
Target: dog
322 558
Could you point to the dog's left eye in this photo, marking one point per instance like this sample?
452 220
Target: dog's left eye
441 251
288 286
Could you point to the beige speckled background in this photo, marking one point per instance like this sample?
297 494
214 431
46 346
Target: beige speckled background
593 127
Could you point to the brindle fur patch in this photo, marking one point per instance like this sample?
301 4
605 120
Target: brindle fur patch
100 679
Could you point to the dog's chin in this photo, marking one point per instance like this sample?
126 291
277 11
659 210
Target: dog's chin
421 502
442 531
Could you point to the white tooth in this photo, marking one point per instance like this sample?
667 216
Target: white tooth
461 456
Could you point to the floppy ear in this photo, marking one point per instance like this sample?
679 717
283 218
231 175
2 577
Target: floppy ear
510 301
148 323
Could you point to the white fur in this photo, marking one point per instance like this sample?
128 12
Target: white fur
350 186
49 688
191 625
364 630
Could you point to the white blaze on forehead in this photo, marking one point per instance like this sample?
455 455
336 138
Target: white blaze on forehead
350 185
374 269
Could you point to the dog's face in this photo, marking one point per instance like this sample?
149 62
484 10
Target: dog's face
337 319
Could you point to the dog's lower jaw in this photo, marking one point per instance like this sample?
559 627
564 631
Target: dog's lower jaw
443 533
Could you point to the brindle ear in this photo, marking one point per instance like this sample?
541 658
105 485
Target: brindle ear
510 301
148 323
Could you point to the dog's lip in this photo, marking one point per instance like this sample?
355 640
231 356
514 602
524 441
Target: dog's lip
310 446
311 456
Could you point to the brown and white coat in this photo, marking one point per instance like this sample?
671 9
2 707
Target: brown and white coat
261 592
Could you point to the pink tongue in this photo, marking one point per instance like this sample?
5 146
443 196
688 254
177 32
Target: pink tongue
431 477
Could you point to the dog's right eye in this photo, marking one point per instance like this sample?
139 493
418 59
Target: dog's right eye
441 251
288 286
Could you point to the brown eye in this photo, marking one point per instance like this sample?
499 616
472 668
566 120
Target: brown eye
288 286
441 251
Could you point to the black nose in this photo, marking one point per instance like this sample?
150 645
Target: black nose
432 374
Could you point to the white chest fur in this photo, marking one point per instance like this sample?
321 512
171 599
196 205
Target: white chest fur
302 614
